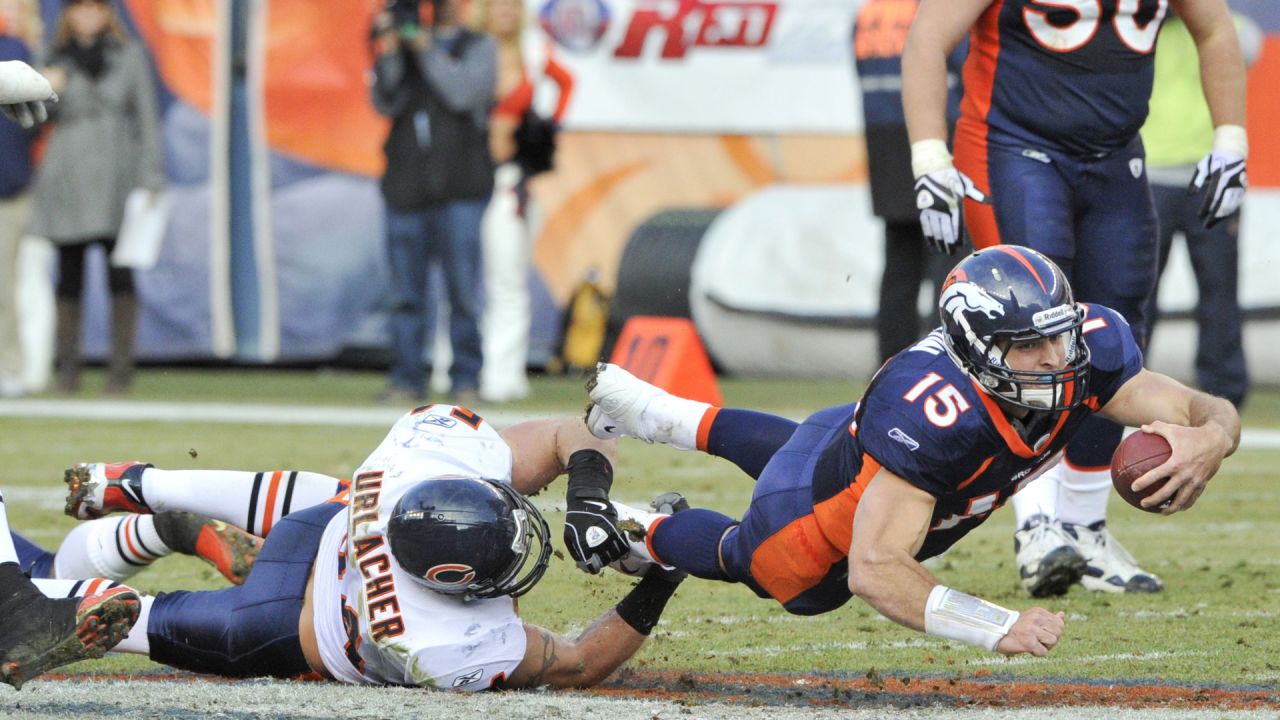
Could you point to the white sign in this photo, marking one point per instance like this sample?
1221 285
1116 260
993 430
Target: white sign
722 66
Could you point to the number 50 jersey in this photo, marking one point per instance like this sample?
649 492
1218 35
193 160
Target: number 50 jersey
926 421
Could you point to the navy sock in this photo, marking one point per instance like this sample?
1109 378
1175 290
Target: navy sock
690 541
747 438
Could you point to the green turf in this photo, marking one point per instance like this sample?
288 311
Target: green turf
1214 624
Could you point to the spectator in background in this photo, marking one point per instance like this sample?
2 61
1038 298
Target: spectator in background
106 143
878 37
437 85
522 141
1177 134
20 34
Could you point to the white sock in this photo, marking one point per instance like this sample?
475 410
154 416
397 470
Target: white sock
116 547
254 502
673 421
8 553
1038 497
136 642
645 519
1083 495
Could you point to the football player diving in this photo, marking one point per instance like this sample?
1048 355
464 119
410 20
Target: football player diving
406 575
850 501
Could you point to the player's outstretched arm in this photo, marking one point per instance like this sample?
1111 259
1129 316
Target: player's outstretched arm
558 662
889 528
1201 429
540 450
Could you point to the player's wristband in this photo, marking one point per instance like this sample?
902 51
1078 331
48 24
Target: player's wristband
955 615
929 156
1231 138
643 606
590 469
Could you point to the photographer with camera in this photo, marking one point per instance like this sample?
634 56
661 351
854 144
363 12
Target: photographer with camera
437 84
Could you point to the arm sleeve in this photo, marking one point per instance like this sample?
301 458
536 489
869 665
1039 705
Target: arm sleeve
563 80
1114 355
387 92
151 171
897 436
467 84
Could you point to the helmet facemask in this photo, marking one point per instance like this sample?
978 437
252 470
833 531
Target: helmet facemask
1038 390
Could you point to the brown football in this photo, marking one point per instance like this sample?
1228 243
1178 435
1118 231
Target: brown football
1137 454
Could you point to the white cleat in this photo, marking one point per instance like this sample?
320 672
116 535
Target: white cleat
618 402
1109 566
1048 561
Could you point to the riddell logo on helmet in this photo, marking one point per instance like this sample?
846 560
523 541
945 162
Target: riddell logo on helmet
696 23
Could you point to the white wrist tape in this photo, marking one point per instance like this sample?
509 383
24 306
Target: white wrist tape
955 615
1231 138
929 156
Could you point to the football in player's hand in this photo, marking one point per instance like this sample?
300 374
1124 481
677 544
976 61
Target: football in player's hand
1137 454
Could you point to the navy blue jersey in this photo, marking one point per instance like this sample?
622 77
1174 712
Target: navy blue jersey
1074 75
926 421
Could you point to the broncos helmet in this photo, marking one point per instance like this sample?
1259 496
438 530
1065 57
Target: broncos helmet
1014 294
469 536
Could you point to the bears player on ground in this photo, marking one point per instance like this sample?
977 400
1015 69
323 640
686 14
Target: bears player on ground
408 577
853 499
1048 155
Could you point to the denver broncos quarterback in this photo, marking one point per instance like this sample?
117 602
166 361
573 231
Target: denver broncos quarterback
1048 155
408 576
850 501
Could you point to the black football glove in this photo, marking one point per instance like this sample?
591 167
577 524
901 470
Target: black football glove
591 531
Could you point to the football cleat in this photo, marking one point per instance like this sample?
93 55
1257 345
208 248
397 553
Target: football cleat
618 402
230 550
1048 561
1109 566
96 489
637 563
41 633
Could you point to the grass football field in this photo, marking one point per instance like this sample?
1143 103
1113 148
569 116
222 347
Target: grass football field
1214 627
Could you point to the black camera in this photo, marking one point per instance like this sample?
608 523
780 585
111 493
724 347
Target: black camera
404 16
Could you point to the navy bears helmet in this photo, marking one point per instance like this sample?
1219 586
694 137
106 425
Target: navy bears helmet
1007 294
469 536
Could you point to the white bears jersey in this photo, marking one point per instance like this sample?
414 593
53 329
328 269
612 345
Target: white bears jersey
374 623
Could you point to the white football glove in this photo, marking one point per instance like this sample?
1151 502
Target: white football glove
1221 175
23 93
940 198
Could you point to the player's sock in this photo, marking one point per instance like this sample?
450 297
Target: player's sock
643 518
677 421
690 541
136 641
8 553
254 502
1083 494
1038 497
746 438
117 547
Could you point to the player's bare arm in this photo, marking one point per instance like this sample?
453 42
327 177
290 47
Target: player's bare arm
1201 429
558 662
1222 72
889 528
535 462
938 27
